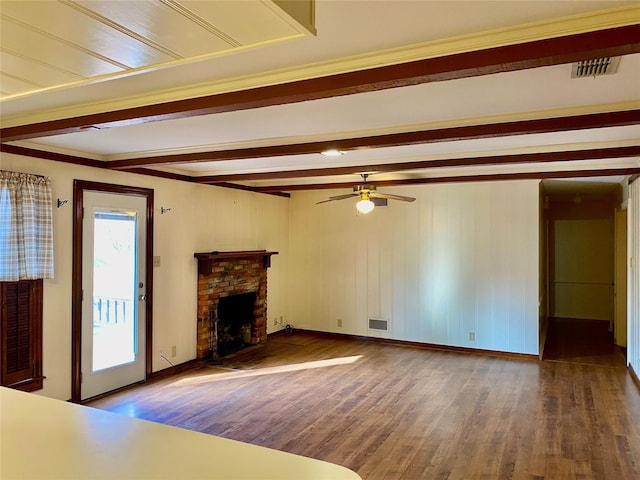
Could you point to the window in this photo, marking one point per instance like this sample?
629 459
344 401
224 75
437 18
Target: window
26 257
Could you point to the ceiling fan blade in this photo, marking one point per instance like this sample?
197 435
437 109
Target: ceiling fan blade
393 197
339 197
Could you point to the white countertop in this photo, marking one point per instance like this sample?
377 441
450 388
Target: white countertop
42 438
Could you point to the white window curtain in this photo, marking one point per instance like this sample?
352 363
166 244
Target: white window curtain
26 227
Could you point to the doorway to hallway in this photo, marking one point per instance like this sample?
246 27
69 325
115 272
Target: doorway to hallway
580 273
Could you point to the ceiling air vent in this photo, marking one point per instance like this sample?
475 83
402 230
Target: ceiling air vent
595 67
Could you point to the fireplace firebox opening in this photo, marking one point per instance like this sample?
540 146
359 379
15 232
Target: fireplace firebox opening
235 317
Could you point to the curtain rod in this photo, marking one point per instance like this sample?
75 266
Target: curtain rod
24 173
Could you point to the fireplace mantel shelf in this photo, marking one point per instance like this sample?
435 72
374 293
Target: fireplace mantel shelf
205 259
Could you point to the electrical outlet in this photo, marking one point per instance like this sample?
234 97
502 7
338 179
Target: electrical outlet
156 261
472 336
275 321
340 323
173 351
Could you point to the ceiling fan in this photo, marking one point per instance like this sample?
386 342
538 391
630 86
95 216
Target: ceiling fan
366 192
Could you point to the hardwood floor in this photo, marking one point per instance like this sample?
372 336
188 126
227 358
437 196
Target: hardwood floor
394 412
582 341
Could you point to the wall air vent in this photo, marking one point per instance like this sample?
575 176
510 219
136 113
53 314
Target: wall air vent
379 325
595 68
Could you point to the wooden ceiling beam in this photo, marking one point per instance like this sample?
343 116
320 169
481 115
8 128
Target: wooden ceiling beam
602 172
89 162
543 157
282 190
540 53
522 127
56 157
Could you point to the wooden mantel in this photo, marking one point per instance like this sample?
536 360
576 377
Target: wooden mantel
206 259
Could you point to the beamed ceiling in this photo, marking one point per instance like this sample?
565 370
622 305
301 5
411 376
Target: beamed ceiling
246 94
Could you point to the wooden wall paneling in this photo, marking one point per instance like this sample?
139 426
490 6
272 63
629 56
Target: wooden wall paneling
339 275
345 276
473 261
386 223
399 304
300 268
513 264
425 262
500 284
523 258
470 290
526 324
456 245
439 275
388 273
372 275
484 264
411 260
361 267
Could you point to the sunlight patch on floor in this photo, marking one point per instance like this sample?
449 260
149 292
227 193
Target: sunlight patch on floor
216 377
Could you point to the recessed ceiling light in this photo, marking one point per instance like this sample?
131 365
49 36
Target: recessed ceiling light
332 153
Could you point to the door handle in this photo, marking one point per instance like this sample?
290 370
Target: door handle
142 297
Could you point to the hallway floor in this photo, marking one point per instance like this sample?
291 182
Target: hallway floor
586 342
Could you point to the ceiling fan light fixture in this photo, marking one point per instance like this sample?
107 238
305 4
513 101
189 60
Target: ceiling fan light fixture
332 153
365 205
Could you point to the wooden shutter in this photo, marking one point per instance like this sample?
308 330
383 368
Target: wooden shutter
21 334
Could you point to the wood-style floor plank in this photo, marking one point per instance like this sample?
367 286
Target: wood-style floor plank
392 412
582 341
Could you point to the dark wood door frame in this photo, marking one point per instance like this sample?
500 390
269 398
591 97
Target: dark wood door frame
79 187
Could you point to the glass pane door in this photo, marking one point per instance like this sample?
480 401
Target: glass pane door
113 300
114 289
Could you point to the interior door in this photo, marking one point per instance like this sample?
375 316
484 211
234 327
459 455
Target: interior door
582 269
113 292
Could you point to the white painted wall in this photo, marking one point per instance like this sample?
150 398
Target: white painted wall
633 278
462 258
203 218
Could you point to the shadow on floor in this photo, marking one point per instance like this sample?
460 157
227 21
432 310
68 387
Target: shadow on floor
582 341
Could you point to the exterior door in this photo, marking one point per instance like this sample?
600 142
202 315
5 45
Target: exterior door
113 292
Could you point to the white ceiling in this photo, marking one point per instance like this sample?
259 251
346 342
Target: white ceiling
55 43
128 54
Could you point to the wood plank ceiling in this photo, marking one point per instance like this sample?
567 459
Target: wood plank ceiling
491 104
49 44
